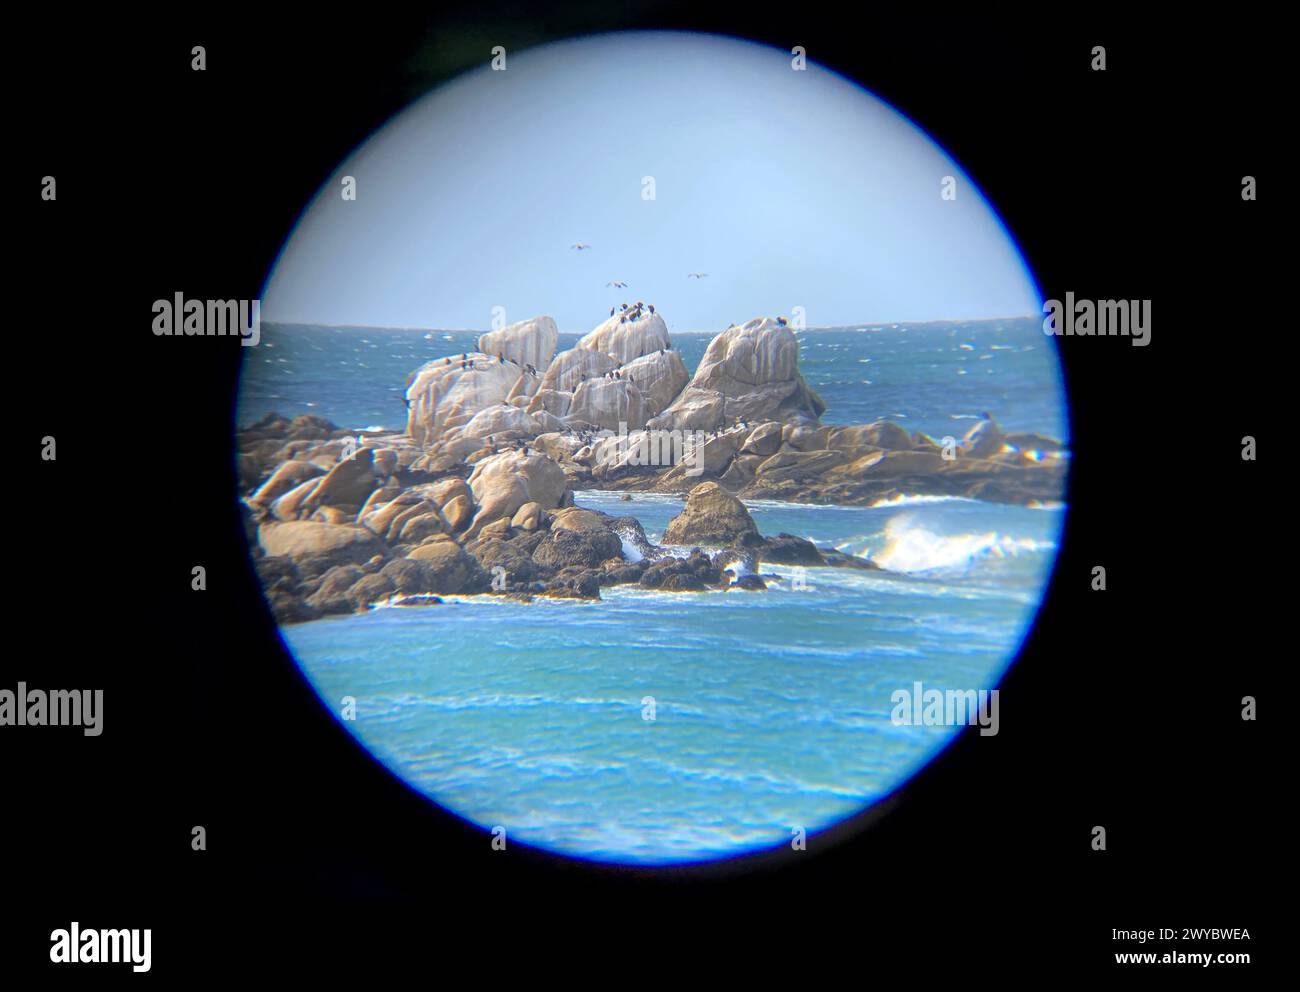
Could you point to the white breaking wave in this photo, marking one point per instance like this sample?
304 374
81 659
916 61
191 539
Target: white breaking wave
630 551
905 500
912 548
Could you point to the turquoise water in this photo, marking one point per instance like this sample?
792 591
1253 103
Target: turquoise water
772 709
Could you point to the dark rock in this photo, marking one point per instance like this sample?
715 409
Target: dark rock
698 566
786 549
331 592
451 570
370 589
588 548
575 583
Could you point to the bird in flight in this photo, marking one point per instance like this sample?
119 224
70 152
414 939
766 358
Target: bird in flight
616 284
580 246
696 275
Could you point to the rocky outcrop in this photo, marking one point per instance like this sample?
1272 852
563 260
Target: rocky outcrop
608 403
503 483
449 392
476 497
625 340
711 516
754 368
660 376
529 342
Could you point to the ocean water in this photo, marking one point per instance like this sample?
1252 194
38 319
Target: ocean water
772 709
934 378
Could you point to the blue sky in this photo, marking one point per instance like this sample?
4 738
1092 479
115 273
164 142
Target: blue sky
788 188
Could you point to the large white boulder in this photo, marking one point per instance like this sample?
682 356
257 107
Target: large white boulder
660 376
625 340
569 368
754 368
500 418
502 483
442 395
608 403
529 342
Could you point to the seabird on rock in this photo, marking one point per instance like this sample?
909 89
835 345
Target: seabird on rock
782 321
652 308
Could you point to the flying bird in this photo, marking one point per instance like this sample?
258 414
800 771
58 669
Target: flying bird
696 275
617 284
580 246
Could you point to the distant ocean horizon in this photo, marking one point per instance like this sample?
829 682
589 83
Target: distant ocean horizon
928 376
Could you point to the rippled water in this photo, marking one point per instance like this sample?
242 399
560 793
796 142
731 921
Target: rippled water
772 708
935 378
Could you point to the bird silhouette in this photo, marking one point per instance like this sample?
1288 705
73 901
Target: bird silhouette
696 275
616 284
580 246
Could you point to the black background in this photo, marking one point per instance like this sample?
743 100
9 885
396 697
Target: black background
1123 709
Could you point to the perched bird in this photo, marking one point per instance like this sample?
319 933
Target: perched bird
782 321
652 308
611 310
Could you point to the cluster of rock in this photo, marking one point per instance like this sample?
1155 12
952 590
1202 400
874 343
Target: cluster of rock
762 434
336 531
476 496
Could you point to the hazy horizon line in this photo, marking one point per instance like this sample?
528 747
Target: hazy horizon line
819 327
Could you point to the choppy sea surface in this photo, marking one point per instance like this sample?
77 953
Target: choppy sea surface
934 377
772 710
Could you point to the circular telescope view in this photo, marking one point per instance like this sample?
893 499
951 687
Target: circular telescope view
652 452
